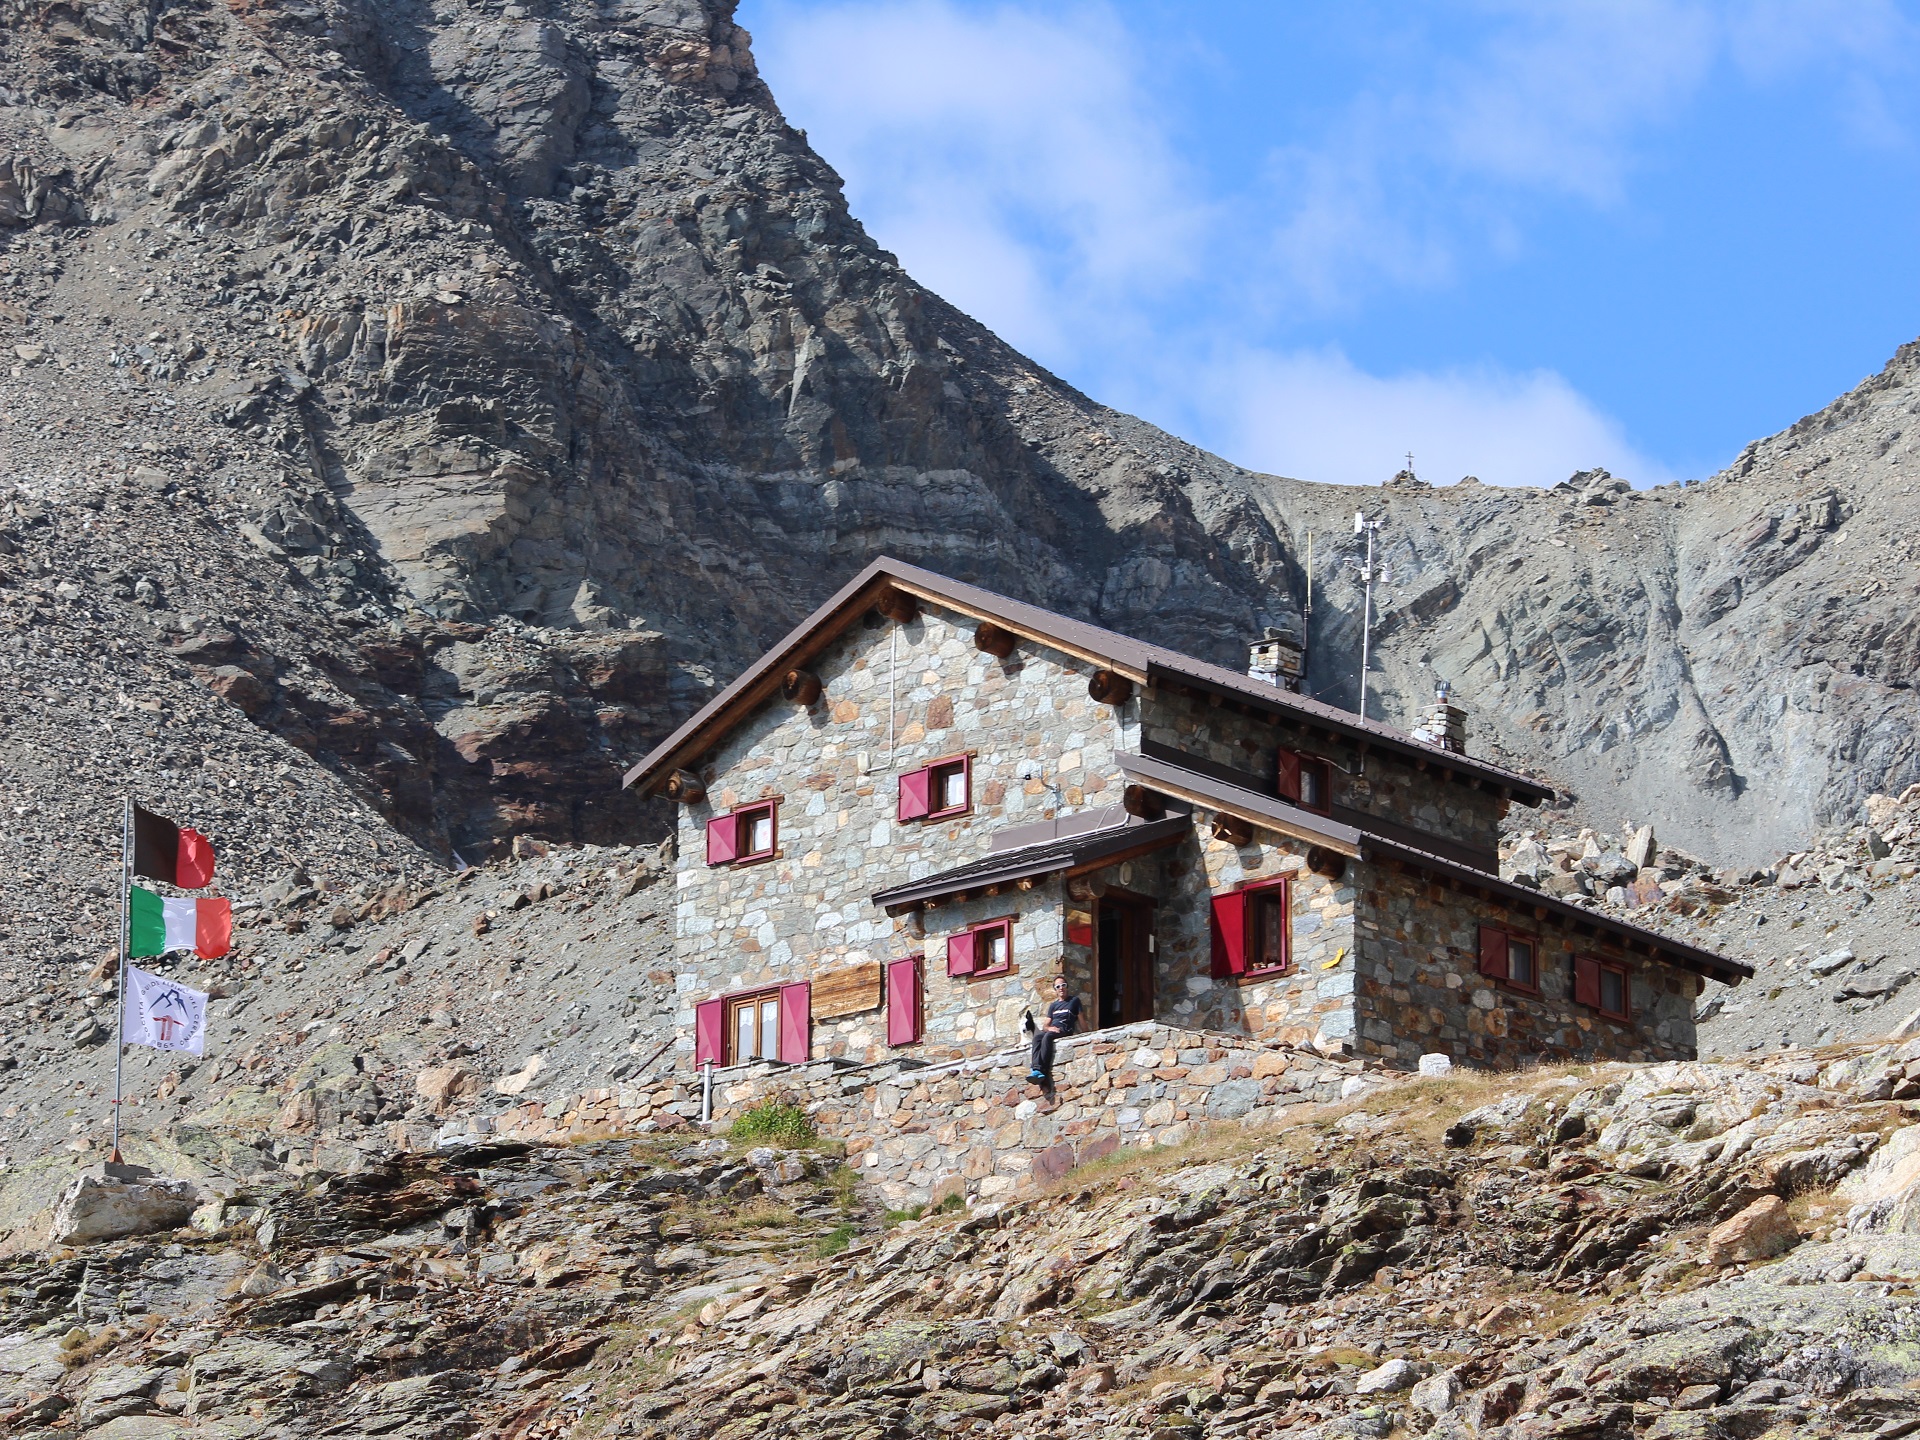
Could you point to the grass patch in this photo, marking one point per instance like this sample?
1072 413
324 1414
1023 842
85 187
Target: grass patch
764 1214
950 1204
894 1217
835 1240
771 1123
844 1182
83 1352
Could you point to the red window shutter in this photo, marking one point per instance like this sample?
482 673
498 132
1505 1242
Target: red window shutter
1586 981
709 1032
903 1002
1493 952
1230 934
1288 784
962 953
796 1024
723 839
914 787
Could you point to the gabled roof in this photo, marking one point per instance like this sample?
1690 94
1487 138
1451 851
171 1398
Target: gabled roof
1084 850
1137 660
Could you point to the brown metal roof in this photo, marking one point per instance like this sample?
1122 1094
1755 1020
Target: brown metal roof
1136 659
1030 862
1250 805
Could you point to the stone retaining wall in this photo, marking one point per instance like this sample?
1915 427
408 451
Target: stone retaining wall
971 1127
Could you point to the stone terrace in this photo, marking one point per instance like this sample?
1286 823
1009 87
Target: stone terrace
971 1127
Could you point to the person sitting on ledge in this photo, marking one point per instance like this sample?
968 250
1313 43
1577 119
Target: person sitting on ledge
1062 1019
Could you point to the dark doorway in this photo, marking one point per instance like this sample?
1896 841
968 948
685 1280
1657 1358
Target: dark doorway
1123 954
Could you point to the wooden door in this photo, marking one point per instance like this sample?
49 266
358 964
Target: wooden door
1123 930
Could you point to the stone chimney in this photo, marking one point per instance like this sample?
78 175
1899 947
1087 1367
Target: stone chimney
1445 724
1278 658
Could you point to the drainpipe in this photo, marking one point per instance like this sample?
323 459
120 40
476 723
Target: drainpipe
706 1094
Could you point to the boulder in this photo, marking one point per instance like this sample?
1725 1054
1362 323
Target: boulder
1641 848
1437 1394
517 1083
1759 1232
446 1085
110 1202
1388 1379
1831 961
1610 869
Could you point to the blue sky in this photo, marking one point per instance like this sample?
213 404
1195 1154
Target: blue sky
1514 238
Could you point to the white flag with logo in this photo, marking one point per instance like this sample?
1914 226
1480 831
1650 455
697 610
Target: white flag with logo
163 1013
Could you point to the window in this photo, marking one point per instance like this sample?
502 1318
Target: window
1253 931
949 788
753 1028
1306 780
1266 931
1603 985
983 949
772 1024
748 833
1510 958
937 791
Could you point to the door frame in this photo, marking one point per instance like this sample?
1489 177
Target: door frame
1137 968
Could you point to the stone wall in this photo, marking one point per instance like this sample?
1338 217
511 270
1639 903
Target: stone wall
1420 990
973 1127
808 909
1385 787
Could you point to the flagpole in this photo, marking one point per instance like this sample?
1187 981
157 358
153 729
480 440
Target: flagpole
126 944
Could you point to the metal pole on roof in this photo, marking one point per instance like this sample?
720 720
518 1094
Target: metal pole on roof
1362 525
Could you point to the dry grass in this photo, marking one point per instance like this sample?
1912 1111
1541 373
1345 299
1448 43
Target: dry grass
1186 1376
1226 1141
84 1351
1802 1206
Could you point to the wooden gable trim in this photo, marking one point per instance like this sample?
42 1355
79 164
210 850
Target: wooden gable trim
981 613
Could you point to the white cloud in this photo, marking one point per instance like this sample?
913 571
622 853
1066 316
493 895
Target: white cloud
1020 162
1522 102
1317 416
1011 159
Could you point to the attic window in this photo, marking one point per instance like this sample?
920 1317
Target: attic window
1512 959
939 791
748 833
1603 985
1306 781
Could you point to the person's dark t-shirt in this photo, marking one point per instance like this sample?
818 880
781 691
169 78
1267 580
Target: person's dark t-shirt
1064 1015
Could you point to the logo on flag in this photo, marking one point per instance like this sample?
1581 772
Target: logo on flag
163 1013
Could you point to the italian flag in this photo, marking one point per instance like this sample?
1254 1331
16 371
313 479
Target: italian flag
157 925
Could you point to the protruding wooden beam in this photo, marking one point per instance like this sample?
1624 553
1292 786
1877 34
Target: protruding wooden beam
802 687
1142 803
683 787
898 606
995 641
1232 829
1110 687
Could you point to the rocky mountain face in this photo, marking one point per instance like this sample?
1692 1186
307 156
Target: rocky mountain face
460 390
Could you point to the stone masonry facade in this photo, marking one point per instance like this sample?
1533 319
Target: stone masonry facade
1374 787
807 910
1420 990
1039 747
